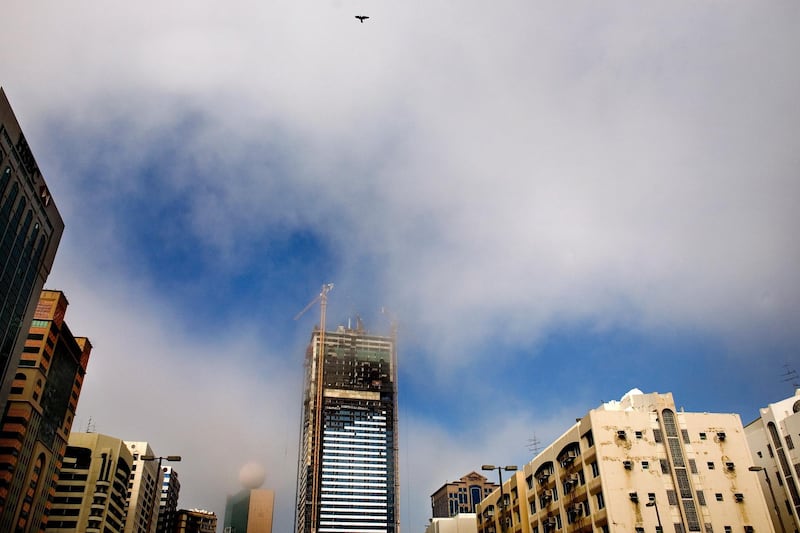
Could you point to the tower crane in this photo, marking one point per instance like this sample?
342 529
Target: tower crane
322 298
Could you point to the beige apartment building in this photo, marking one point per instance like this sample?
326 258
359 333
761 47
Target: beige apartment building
93 486
777 460
634 466
144 490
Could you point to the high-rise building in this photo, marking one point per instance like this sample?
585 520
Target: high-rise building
250 511
92 489
195 521
636 465
168 503
144 490
458 497
30 230
347 467
776 459
39 414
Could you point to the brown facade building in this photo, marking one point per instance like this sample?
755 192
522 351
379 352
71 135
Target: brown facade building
39 415
461 496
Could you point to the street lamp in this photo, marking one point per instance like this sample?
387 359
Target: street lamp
771 493
652 503
171 458
502 503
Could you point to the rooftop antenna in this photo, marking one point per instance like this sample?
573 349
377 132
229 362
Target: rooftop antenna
790 376
90 427
534 445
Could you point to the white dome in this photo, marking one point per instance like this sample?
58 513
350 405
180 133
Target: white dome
252 475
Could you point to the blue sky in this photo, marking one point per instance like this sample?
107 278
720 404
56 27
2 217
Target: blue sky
559 202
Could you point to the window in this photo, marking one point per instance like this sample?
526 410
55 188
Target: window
710 465
589 439
693 466
533 506
728 529
601 502
645 465
702 436
638 434
664 466
595 469
718 496
789 443
701 498
672 497
760 454
657 435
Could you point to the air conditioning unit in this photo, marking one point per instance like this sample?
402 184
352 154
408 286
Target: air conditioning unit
739 497
576 509
548 494
543 477
573 479
627 464
549 522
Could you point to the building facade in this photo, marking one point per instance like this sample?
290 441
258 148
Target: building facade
776 460
347 467
460 523
144 490
30 230
634 466
39 414
92 489
168 502
195 521
250 511
460 496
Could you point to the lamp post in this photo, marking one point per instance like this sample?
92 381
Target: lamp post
172 458
771 493
502 504
652 503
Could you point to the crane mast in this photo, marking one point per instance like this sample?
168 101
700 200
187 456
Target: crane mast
322 298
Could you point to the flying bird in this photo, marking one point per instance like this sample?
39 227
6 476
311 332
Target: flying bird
361 18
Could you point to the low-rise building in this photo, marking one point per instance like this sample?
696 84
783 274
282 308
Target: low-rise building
195 521
632 466
460 496
776 460
461 523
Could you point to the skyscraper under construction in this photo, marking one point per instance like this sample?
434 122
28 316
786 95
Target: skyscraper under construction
347 468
